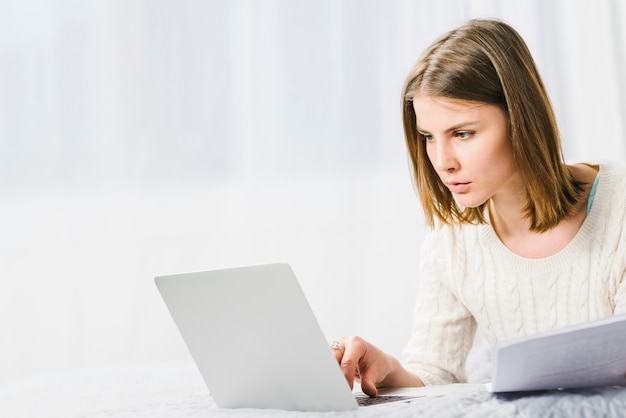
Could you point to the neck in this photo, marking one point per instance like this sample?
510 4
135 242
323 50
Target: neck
508 220
506 209
507 215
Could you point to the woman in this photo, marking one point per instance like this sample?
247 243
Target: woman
521 242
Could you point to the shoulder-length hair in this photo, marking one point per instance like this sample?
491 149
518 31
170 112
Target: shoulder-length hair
488 61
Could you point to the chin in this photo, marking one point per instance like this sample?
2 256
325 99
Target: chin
468 202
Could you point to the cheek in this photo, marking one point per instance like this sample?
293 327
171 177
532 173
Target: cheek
506 155
502 153
503 163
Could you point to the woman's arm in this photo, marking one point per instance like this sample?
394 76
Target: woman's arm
364 362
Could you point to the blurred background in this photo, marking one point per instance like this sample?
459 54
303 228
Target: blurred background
142 138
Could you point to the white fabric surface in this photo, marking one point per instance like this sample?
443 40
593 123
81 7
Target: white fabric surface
177 390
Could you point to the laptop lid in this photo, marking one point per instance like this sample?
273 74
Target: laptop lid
255 340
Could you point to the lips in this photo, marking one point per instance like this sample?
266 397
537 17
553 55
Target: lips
455 187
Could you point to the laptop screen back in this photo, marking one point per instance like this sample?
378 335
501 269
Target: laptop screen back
255 340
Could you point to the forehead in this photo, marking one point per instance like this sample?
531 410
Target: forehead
442 112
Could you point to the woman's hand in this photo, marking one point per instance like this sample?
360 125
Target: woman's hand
362 361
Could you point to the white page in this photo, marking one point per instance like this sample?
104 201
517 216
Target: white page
584 355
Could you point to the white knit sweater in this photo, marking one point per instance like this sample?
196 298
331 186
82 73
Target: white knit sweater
470 279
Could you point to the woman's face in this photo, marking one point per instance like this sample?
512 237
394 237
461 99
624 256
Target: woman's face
468 145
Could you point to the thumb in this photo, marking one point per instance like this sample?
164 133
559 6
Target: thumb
368 387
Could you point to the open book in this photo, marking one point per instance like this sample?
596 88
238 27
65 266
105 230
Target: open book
583 355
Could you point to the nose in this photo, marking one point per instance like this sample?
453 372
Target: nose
443 157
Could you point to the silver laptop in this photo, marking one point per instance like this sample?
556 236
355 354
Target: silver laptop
255 340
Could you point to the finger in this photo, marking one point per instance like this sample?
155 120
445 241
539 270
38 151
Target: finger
367 384
369 370
354 350
348 369
337 349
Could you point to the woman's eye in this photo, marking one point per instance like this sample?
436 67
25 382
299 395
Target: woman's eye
464 135
427 138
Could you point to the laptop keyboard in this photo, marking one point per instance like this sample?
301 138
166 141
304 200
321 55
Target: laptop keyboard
377 400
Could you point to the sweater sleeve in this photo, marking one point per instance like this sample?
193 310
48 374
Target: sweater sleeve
619 267
443 328
618 227
620 296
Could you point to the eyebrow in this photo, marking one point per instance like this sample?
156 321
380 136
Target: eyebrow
453 128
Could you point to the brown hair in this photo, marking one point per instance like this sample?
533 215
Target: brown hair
488 61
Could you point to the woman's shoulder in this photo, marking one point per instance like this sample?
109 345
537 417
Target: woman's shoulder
609 195
613 175
610 167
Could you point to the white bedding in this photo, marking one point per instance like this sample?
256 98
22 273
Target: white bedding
176 390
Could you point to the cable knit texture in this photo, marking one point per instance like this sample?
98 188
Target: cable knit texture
469 279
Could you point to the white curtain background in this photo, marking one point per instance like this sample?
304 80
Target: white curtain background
141 138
